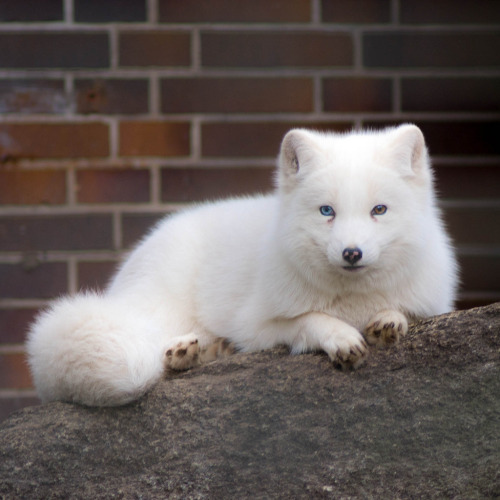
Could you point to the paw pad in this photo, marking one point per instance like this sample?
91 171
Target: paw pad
183 356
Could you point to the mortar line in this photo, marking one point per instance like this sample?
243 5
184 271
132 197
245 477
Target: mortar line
72 268
152 14
117 230
316 13
68 12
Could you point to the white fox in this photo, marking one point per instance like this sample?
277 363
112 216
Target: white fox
350 241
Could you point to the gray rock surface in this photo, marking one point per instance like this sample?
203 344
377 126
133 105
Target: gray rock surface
419 420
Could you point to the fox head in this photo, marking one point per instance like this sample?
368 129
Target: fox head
354 204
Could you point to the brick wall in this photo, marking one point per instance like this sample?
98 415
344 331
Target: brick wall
116 112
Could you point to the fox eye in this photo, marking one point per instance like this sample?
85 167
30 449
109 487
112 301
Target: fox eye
379 210
327 211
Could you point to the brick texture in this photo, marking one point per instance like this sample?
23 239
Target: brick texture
257 139
95 275
14 373
474 94
480 272
31 279
54 50
431 50
468 182
95 11
155 49
213 11
136 225
32 96
115 113
113 186
31 10
197 184
267 49
154 138
32 187
474 226
13 324
237 95
449 12
10 404
54 140
477 138
357 94
56 232
356 11
457 138
112 96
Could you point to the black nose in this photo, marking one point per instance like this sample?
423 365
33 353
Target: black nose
352 255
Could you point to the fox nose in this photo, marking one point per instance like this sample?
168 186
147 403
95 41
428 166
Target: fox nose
352 255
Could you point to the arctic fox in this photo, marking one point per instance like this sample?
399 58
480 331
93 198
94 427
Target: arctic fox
350 241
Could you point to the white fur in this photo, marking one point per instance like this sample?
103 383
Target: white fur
262 271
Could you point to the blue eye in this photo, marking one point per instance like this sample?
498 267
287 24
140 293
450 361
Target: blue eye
327 211
379 210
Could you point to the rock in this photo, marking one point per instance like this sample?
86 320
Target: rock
419 420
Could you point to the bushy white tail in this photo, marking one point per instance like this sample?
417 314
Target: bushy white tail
92 350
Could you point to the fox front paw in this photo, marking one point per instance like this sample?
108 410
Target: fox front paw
350 360
350 351
386 328
183 355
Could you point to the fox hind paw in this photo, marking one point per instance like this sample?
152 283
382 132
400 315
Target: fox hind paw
183 356
220 348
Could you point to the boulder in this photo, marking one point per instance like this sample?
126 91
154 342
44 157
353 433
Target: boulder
418 420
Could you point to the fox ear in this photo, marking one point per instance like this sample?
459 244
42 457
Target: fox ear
297 151
408 150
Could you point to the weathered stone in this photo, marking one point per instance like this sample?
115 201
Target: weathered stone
419 420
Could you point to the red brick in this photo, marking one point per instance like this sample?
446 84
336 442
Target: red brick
456 138
276 49
480 272
160 49
32 233
32 96
196 184
31 10
113 186
10 404
463 138
112 96
356 11
14 324
43 281
357 94
256 139
30 187
136 225
54 140
236 95
91 11
451 94
14 372
450 12
37 50
138 138
401 49
466 182
475 226
469 300
213 11
95 275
